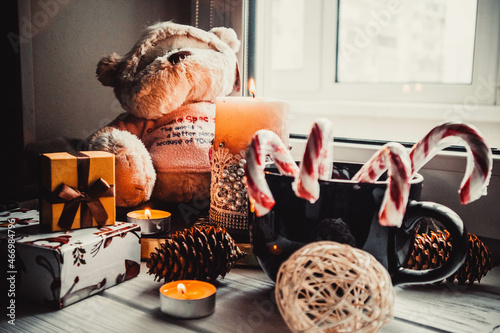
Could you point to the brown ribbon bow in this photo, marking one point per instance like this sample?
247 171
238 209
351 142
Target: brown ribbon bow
89 203
84 197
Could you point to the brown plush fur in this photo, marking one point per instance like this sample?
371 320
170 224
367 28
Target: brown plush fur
170 78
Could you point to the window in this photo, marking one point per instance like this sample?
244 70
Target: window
406 42
366 63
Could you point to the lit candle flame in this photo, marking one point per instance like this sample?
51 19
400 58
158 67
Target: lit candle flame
181 288
147 212
275 249
251 87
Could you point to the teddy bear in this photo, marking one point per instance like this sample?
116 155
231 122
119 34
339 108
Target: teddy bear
167 85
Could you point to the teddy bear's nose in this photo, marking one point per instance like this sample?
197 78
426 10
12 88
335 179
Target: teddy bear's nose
178 56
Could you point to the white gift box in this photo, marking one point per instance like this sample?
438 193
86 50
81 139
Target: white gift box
18 218
61 268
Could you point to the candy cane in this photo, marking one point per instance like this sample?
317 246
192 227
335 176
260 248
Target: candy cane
265 142
395 159
479 159
317 162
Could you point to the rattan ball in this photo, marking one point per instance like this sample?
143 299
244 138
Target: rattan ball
331 287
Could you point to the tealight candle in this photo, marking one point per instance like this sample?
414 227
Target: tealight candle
187 299
151 221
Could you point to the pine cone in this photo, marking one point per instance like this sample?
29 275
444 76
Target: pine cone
430 251
477 263
200 253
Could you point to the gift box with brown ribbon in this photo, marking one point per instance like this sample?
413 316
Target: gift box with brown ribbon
77 190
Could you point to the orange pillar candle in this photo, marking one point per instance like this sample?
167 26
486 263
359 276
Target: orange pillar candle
236 121
238 118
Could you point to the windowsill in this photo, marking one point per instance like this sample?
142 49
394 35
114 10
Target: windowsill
407 122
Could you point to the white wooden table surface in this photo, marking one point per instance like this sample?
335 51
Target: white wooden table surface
245 303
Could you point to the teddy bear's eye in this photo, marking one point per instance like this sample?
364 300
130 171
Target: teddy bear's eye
178 56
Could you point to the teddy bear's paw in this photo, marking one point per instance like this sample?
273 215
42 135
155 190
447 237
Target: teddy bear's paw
135 179
135 175
113 141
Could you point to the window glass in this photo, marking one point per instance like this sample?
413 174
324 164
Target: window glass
374 67
388 41
287 34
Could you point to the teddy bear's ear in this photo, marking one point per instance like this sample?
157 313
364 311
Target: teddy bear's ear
107 69
228 36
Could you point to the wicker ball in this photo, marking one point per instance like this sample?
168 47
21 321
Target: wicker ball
331 287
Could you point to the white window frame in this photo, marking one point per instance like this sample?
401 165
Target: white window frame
369 105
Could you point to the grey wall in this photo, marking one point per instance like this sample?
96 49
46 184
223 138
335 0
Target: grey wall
62 96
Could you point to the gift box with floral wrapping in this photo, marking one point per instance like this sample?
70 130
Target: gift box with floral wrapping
61 268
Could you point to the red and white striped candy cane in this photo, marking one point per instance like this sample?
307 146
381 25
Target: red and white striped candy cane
265 142
317 162
394 158
479 157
